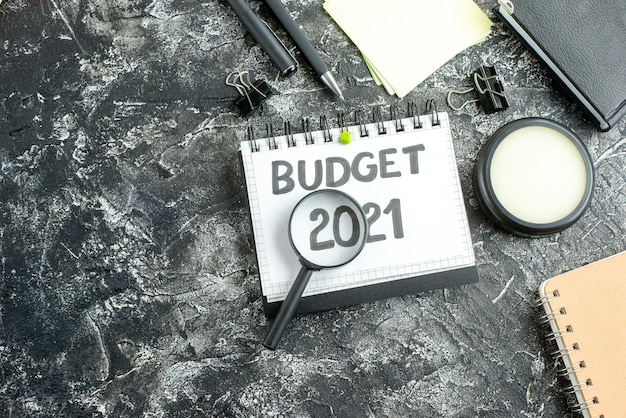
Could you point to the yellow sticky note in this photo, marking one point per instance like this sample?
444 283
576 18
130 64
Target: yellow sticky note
405 41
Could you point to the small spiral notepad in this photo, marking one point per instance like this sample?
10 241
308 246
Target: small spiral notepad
402 172
585 310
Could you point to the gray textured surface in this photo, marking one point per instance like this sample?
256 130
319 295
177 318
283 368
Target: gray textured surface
128 281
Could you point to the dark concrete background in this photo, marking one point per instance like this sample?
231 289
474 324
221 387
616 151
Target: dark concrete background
128 279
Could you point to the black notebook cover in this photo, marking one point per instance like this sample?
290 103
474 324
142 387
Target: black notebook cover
583 44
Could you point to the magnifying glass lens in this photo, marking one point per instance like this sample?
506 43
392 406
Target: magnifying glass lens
327 229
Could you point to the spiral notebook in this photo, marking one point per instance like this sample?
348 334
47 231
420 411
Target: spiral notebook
402 171
586 312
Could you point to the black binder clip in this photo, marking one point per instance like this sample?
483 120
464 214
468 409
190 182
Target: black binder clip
251 93
489 89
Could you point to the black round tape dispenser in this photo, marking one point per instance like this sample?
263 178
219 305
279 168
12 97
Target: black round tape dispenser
534 177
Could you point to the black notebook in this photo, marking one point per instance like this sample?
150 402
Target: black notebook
402 171
583 44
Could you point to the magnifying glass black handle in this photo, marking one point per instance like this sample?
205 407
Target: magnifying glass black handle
287 309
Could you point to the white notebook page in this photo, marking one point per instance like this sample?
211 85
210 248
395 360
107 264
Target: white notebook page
433 227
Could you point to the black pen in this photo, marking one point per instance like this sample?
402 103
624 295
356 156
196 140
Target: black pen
305 46
266 38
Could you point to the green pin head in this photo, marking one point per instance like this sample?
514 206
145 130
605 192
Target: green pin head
345 137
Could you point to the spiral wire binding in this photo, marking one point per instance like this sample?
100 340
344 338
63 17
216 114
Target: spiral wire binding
546 318
547 298
254 145
578 387
358 120
411 111
291 142
308 134
553 336
341 122
377 117
396 118
431 106
394 115
572 389
586 405
566 371
567 350
270 136
325 129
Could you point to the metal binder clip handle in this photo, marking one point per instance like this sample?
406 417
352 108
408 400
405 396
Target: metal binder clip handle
251 94
488 88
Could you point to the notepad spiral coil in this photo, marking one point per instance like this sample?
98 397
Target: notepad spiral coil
569 352
377 119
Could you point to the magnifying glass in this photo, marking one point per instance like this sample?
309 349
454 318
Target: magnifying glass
327 229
